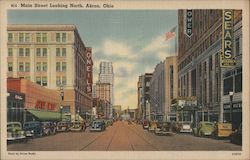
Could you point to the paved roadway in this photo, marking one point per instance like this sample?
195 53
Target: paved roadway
122 137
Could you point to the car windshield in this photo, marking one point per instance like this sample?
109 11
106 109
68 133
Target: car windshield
208 124
14 125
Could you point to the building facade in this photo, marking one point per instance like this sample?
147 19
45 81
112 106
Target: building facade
139 98
106 75
52 56
199 71
163 88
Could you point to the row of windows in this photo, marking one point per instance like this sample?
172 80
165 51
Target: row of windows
40 66
40 37
40 52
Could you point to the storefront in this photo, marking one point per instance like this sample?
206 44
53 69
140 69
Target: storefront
236 113
15 106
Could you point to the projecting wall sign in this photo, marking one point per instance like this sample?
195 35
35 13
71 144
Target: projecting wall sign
188 22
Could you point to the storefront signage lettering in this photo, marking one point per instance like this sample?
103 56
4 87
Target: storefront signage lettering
18 97
188 22
89 70
42 105
227 59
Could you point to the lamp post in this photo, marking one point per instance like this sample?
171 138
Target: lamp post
231 94
78 115
61 107
62 98
182 116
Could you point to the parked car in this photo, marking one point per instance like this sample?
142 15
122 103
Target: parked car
49 128
129 122
204 129
33 129
145 124
163 128
236 136
15 132
77 126
98 125
152 126
222 130
185 127
62 126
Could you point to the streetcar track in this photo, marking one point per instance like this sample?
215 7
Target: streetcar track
130 142
112 138
144 139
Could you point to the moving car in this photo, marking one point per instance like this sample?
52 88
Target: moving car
163 128
185 127
33 129
15 132
98 125
62 126
204 129
152 126
236 137
48 128
77 126
222 130
145 124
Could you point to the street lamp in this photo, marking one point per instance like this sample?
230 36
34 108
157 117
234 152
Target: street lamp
231 94
182 114
78 115
61 107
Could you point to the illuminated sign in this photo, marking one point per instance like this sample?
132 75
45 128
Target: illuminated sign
42 105
188 22
89 70
227 59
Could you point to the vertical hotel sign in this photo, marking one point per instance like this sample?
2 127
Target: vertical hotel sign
188 22
89 70
227 59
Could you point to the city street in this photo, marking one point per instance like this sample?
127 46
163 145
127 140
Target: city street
122 137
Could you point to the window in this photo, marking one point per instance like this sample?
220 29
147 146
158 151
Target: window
10 52
10 37
64 81
58 52
38 80
63 52
21 37
44 37
21 67
27 52
63 66
20 53
58 66
27 66
38 37
228 85
45 52
44 81
238 83
38 66
237 46
63 37
10 66
45 66
38 52
58 37
27 37
58 80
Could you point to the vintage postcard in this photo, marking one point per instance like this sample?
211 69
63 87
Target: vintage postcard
124 79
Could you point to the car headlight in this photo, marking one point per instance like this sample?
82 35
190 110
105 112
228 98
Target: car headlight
32 131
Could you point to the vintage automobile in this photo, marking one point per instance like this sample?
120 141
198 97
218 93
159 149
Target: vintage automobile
163 128
222 130
236 136
185 127
152 126
204 128
62 126
15 132
145 124
97 125
77 126
130 122
49 128
33 129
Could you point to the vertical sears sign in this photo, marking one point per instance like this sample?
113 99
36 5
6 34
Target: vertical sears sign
89 70
227 59
188 22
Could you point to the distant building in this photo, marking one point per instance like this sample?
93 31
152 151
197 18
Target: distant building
117 110
140 98
163 87
51 56
106 75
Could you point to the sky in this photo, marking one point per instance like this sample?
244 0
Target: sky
133 40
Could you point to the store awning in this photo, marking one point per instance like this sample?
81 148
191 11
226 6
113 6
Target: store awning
47 116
